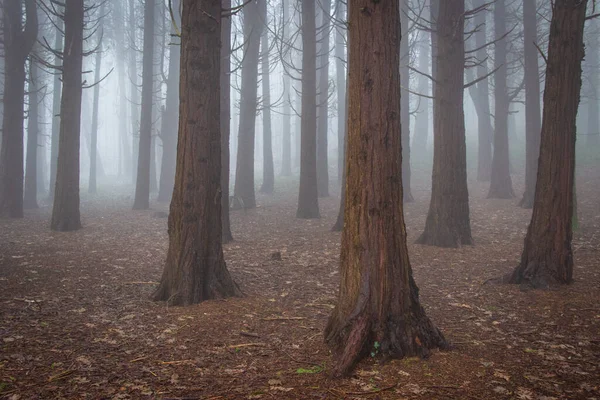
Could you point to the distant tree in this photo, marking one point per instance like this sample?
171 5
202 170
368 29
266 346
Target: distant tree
532 102
340 68
378 300
56 93
244 174
142 187
420 137
324 9
286 151
405 82
308 199
65 213
268 184
31 168
500 180
133 77
18 42
225 121
195 269
93 185
448 223
547 258
593 104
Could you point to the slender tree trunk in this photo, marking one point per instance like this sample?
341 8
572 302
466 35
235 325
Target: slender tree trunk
65 214
448 222
340 56
195 269
308 199
378 299
56 92
286 151
18 43
142 188
268 184
124 147
226 235
244 174
323 98
500 181
93 186
593 131
532 102
420 137
339 222
405 83
30 195
547 258
133 76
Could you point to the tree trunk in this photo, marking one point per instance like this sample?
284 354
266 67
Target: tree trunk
420 137
593 132
226 235
547 258
323 99
30 195
244 174
56 92
339 222
65 214
133 76
268 184
142 188
18 43
169 121
378 307
195 269
448 222
93 186
500 181
124 147
532 102
286 151
405 100
340 68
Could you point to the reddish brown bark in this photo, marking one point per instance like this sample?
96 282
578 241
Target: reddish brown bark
378 300
547 258
195 269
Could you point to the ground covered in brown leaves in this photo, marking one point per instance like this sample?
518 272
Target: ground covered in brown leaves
76 319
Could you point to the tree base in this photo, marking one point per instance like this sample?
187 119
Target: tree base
408 197
308 214
444 237
65 226
539 276
527 200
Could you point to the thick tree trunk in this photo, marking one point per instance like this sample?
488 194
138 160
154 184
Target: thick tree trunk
226 235
448 222
244 174
56 93
340 68
405 117
65 214
308 199
268 184
195 269
500 180
31 168
169 121
93 185
17 45
142 188
378 307
547 258
532 102
323 99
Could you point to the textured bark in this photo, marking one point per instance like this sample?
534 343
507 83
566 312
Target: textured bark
547 258
195 269
244 174
227 236
378 300
308 199
56 93
65 213
31 168
169 121
405 109
286 142
142 187
93 186
18 42
268 184
500 180
532 103
340 68
324 8
447 223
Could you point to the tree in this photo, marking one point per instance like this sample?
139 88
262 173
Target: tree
65 213
244 174
195 269
142 187
18 42
340 68
133 76
532 102
286 142
268 184
547 258
419 146
308 199
30 192
227 236
378 300
448 223
323 99
56 92
500 181
405 82
93 186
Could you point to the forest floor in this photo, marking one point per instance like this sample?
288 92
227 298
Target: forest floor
77 322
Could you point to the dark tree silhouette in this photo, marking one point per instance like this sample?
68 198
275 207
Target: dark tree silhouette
18 42
378 299
547 258
195 269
